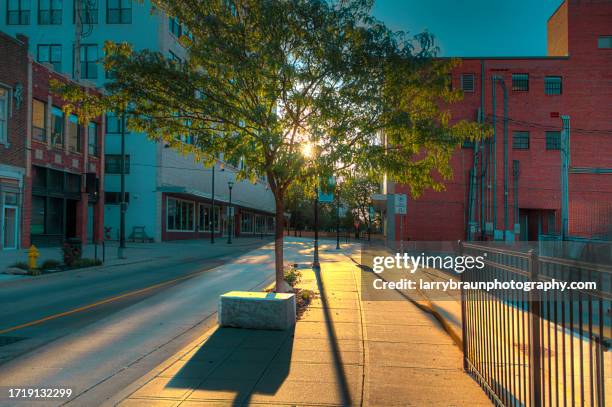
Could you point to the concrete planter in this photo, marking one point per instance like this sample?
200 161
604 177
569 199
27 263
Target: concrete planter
257 310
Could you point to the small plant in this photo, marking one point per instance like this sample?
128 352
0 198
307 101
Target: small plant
292 276
71 254
49 264
87 263
21 265
307 296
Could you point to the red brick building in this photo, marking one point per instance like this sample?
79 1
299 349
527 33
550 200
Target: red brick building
519 197
51 173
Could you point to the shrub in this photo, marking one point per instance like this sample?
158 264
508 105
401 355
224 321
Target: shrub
87 263
71 254
49 264
292 276
21 265
307 295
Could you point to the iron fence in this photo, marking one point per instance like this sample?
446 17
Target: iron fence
538 348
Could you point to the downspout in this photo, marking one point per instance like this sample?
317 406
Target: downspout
515 177
506 176
494 154
482 151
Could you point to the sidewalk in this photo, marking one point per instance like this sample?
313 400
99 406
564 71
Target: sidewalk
343 351
134 252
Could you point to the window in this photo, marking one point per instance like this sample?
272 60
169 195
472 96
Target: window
553 140
74 134
119 11
57 127
114 198
246 222
89 11
175 27
39 122
4 107
49 12
112 163
89 61
552 85
18 12
468 82
50 54
520 140
604 42
92 138
179 215
520 82
205 220
113 124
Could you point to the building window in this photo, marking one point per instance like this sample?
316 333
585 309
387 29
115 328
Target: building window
89 11
89 61
204 218
119 11
520 82
50 54
113 124
175 27
92 138
553 140
39 122
468 82
49 12
520 140
112 163
179 215
74 134
604 42
246 222
4 110
18 12
552 85
57 127
114 198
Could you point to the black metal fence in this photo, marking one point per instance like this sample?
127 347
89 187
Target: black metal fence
538 348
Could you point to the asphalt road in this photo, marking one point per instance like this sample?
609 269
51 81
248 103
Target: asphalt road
96 331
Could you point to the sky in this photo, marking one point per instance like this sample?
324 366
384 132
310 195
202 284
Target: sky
472 28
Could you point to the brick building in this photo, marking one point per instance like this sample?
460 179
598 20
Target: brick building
509 187
51 173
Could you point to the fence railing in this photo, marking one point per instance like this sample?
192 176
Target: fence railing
538 348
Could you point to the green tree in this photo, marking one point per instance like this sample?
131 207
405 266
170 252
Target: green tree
356 192
263 79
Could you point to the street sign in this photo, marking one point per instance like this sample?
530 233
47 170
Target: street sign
326 197
372 214
400 203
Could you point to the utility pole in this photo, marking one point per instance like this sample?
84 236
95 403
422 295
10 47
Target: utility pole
230 220
565 164
123 205
212 215
337 216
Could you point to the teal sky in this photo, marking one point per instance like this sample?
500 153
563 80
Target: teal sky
474 27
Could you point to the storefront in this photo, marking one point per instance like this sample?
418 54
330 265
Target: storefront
189 217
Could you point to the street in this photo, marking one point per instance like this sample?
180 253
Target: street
101 329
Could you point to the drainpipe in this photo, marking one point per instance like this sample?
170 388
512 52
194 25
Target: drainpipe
482 151
494 154
505 90
565 164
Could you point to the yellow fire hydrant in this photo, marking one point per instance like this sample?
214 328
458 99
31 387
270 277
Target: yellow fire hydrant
33 254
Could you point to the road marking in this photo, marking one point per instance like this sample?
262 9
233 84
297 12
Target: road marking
102 302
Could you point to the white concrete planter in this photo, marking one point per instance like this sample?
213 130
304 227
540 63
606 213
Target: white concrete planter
257 310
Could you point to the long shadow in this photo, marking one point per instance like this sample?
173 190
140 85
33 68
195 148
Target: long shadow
233 364
333 341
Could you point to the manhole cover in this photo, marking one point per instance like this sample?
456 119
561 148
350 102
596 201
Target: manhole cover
7 340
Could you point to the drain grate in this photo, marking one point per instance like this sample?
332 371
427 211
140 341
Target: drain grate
7 340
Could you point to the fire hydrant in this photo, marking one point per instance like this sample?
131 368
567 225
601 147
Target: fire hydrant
33 254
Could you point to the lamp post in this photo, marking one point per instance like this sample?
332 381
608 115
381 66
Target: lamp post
337 214
123 206
212 215
315 263
230 220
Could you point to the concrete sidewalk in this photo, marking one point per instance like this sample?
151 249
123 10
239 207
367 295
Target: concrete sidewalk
343 351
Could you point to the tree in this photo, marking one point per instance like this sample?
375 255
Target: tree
267 81
356 191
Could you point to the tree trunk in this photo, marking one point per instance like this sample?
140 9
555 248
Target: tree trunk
278 244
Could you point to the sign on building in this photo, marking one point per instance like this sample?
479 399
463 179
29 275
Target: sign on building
400 204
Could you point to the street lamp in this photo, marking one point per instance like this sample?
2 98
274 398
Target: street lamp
338 181
212 215
230 220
